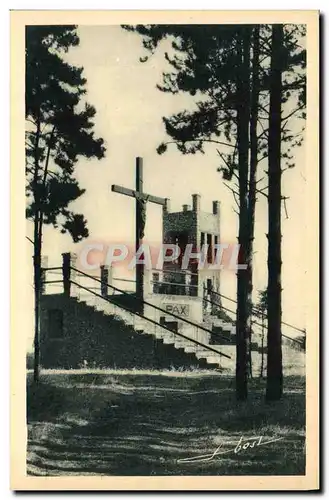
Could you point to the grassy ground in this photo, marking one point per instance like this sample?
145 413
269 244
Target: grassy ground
144 423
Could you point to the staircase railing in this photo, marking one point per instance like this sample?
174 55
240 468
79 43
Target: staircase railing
179 318
254 311
154 307
136 313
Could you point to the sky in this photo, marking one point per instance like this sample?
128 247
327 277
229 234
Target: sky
129 118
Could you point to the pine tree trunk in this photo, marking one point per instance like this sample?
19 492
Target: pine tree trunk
37 290
274 385
243 313
253 171
36 257
262 346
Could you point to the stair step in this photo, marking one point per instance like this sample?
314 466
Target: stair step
213 321
212 361
183 346
191 348
162 333
173 325
207 358
218 348
168 340
226 328
208 354
105 308
168 318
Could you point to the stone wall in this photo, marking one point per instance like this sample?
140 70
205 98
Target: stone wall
75 335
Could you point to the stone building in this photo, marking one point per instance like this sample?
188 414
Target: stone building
197 285
88 322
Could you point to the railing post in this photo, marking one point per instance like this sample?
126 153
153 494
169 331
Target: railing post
195 282
147 282
43 274
105 280
156 279
69 274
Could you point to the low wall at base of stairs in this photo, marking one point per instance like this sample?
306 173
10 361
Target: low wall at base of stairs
73 335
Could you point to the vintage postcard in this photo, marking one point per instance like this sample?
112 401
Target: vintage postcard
165 230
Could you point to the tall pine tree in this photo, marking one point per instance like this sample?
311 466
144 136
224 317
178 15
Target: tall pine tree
287 100
59 130
212 63
227 70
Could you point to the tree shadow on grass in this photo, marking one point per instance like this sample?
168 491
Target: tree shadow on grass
142 425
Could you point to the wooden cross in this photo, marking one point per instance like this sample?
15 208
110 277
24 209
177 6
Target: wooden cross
141 200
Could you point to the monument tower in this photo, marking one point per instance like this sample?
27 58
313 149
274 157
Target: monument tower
198 228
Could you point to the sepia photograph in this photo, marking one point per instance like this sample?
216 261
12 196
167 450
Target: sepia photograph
166 310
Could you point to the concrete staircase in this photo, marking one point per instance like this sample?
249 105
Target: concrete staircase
211 354
220 338
105 334
211 342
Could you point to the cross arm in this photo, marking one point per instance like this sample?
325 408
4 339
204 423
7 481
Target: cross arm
123 190
154 199
132 193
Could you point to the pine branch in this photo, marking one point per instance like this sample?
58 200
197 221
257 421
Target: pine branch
260 180
234 174
265 130
224 159
50 146
264 109
201 140
293 112
297 85
234 193
262 189
263 157
260 192
265 42
31 121
36 158
285 208
55 175
287 168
